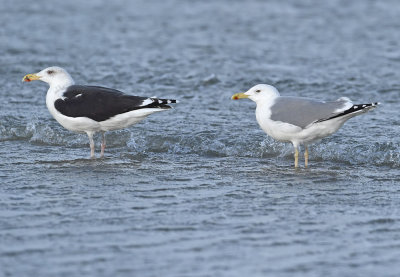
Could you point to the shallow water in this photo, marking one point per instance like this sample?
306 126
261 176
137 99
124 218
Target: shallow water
200 190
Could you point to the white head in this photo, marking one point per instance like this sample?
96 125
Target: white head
260 92
54 76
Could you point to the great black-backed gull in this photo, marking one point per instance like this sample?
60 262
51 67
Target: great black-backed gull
91 109
300 120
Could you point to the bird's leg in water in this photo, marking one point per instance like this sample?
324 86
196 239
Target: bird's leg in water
306 156
103 144
91 142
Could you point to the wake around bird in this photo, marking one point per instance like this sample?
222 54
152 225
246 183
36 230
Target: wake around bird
91 109
300 121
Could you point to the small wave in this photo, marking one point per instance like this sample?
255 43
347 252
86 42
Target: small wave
378 153
209 80
210 143
36 132
11 128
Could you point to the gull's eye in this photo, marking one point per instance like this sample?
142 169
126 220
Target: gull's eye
50 72
258 91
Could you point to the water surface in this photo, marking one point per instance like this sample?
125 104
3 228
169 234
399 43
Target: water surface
200 190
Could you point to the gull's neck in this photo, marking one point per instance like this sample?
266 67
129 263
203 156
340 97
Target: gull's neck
267 102
57 87
263 111
59 84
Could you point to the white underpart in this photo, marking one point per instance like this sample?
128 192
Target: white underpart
124 120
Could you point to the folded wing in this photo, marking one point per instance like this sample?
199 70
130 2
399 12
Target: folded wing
100 103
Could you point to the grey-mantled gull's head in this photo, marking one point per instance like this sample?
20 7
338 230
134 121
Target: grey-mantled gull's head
260 92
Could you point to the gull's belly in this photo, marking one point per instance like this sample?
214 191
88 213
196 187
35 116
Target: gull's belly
119 122
125 120
321 130
290 133
78 124
280 131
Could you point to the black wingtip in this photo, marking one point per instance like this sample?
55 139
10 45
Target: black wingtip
361 107
355 109
167 101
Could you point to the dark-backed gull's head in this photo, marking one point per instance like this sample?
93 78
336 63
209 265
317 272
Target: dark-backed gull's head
53 75
258 93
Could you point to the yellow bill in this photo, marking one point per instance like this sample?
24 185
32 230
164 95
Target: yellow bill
30 77
240 95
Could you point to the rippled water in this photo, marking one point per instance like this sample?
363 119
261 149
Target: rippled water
200 190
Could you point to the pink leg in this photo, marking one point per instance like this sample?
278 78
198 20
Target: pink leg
103 144
91 142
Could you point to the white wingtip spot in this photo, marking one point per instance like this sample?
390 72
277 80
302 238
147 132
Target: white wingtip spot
146 102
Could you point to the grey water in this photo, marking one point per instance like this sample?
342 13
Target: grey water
200 190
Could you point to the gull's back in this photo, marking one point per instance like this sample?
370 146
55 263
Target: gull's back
302 112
